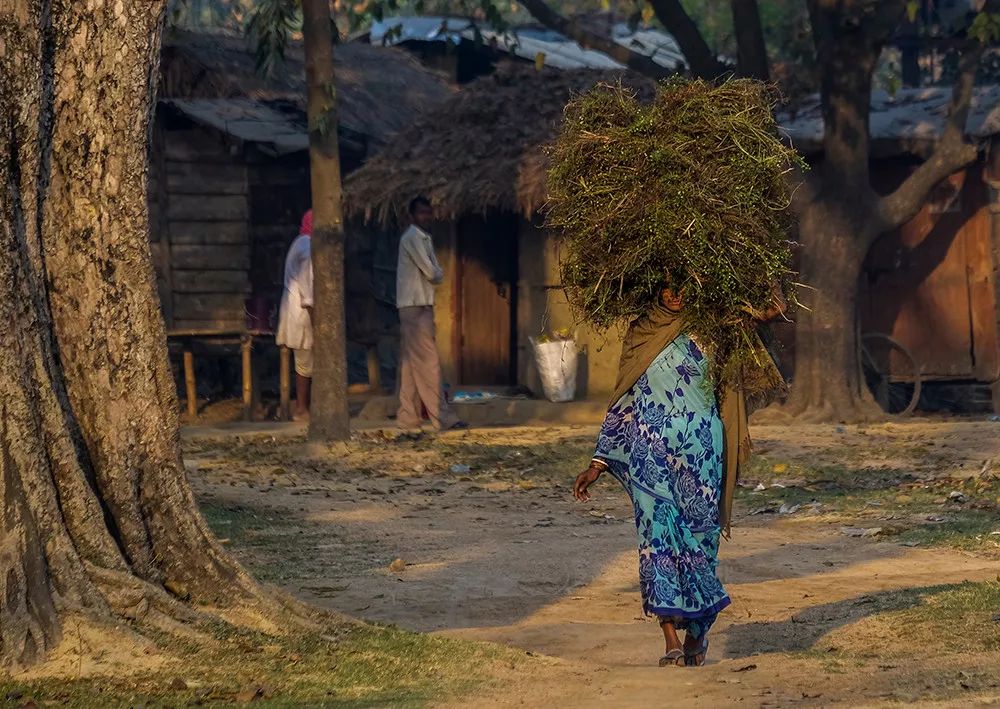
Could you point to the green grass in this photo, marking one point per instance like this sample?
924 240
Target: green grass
351 666
281 545
912 510
960 618
972 530
542 460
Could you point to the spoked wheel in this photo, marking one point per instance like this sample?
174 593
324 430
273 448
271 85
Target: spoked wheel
891 373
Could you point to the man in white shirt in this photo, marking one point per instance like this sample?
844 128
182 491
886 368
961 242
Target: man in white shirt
295 318
417 273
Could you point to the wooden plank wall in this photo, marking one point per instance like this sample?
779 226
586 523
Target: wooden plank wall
930 285
199 227
279 194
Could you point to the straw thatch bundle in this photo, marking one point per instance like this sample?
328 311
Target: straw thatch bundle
689 192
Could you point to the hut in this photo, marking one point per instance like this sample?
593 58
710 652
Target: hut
229 175
480 159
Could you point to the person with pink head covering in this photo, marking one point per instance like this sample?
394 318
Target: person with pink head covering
295 318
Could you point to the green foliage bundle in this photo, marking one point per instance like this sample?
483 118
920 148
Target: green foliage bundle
689 192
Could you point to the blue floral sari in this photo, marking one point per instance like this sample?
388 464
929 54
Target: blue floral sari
663 441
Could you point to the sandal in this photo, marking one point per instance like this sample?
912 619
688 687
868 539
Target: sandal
691 658
674 658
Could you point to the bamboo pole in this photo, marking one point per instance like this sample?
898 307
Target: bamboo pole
374 371
190 384
246 347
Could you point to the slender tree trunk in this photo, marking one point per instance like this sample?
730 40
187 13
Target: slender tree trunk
329 416
750 48
97 516
704 64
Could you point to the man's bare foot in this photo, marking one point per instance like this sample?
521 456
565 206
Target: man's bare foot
300 416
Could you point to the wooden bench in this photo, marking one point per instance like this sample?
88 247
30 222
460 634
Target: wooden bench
246 339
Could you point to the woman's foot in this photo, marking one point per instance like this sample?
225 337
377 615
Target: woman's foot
673 653
695 651
673 658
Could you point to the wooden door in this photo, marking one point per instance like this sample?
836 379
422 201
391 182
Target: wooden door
487 296
929 284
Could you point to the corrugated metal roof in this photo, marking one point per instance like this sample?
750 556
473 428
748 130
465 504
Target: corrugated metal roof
910 116
278 132
529 41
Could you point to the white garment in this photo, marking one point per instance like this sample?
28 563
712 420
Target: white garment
417 271
294 323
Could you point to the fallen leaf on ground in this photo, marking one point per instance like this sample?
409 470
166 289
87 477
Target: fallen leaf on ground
250 693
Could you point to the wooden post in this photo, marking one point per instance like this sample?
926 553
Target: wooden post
374 371
285 384
246 346
992 177
190 384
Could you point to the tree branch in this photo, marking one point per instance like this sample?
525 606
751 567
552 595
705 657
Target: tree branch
952 152
575 30
751 52
704 64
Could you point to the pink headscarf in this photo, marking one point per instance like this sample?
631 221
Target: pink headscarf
307 223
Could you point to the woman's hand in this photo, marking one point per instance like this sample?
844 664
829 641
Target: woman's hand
584 480
778 306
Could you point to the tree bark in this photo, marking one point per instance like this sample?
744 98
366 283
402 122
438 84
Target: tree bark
952 153
704 63
97 516
329 416
750 48
827 384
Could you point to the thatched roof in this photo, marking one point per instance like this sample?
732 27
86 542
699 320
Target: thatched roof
479 151
381 90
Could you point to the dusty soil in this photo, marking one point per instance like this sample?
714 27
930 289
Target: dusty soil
499 552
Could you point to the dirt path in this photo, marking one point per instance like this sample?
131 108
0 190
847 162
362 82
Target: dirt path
525 566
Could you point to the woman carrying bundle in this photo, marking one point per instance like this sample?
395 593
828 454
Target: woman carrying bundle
674 443
689 189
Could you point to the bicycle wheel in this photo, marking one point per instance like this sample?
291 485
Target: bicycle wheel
891 373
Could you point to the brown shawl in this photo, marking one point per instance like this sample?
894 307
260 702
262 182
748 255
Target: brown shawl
647 337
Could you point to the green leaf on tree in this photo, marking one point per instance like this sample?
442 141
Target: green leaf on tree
986 27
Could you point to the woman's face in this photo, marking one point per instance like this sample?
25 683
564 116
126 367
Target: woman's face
670 299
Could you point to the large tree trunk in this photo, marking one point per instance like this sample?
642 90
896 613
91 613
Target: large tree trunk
827 383
329 416
843 216
97 516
